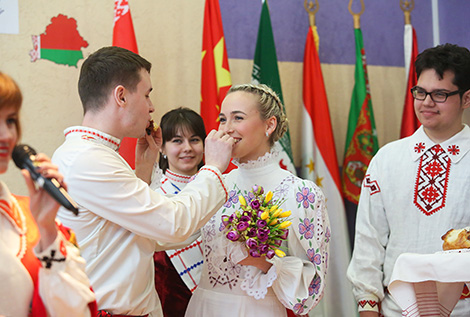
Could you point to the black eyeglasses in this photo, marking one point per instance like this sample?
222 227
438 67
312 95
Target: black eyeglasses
436 96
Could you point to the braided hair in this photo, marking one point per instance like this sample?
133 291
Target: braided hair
269 105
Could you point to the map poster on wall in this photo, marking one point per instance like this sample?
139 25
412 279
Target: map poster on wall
60 43
9 20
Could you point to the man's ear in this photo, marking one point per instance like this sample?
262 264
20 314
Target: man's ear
119 95
466 99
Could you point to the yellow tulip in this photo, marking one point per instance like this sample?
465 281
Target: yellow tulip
264 215
277 213
285 224
285 214
242 200
273 222
280 253
268 197
273 208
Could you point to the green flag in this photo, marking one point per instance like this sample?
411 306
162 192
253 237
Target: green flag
361 138
265 71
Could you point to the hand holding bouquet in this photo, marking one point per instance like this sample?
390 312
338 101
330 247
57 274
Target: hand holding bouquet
260 224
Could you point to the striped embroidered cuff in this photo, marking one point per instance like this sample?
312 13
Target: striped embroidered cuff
209 168
368 305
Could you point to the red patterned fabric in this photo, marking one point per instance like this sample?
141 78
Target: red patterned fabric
173 293
432 180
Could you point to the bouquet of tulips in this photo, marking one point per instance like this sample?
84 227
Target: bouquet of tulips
260 224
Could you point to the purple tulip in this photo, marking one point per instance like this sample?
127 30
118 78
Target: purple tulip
270 254
226 220
258 190
263 235
251 233
264 248
255 204
232 216
242 226
233 235
255 253
285 234
259 213
278 242
261 223
251 243
245 218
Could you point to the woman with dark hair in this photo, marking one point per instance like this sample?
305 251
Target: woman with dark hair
42 273
177 272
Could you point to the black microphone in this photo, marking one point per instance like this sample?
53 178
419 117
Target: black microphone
24 157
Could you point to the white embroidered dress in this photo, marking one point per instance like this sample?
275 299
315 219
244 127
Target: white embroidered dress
413 193
295 281
188 260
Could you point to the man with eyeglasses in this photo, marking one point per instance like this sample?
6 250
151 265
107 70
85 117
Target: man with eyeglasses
416 188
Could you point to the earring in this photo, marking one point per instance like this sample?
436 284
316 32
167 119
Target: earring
267 134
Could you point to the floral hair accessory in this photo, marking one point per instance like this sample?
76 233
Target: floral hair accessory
260 224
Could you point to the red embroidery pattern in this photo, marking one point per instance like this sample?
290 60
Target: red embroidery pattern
419 147
453 149
364 303
93 133
198 242
220 179
432 180
372 185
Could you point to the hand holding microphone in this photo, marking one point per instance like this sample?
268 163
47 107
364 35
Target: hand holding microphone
25 158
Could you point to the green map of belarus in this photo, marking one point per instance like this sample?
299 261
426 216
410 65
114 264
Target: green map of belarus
60 43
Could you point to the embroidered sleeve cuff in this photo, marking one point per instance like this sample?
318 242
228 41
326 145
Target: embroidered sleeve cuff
256 283
215 171
55 253
369 303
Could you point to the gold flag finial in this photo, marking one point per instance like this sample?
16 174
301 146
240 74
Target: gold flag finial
312 8
407 6
356 16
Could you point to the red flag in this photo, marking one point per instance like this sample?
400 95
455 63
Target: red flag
409 122
215 74
123 36
320 164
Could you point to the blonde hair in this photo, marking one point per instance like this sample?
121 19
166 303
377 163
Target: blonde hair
10 96
269 105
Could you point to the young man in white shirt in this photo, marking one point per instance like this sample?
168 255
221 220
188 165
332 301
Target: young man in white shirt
416 188
122 221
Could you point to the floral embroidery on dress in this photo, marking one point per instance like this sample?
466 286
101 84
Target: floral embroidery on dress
327 235
306 228
300 306
305 197
314 287
314 257
232 199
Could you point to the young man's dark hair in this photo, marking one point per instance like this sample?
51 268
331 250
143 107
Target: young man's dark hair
447 57
106 68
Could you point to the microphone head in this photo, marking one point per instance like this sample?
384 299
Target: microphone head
20 153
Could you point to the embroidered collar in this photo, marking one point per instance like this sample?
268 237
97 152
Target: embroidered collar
456 147
175 177
94 136
264 160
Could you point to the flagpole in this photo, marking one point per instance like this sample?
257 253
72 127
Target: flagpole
407 6
312 9
356 16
